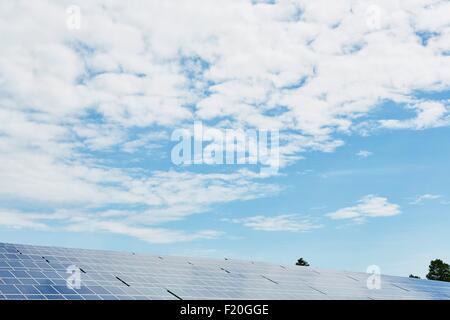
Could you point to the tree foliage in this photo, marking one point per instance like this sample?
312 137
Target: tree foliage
302 262
439 270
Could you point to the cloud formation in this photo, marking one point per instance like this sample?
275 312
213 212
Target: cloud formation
75 103
429 114
364 153
369 206
287 223
425 197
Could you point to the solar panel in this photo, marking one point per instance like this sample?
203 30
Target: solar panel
38 272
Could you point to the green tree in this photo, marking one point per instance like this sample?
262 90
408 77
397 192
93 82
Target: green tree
414 277
302 262
439 270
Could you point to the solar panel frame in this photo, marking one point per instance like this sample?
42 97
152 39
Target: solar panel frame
36 272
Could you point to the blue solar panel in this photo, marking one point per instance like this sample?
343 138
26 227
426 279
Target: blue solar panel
35 272
7 289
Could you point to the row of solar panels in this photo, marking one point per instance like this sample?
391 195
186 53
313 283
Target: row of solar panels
36 272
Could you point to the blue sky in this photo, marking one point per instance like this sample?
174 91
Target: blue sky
359 94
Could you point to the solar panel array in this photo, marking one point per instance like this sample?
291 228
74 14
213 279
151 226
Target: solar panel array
37 272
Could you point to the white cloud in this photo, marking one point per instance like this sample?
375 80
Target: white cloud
152 235
255 57
168 194
164 197
289 223
429 115
18 221
147 141
369 206
71 221
364 153
67 95
425 197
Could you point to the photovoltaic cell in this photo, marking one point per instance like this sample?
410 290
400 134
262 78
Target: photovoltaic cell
37 272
